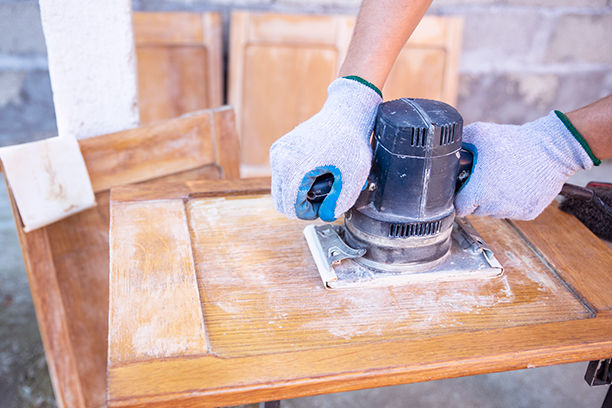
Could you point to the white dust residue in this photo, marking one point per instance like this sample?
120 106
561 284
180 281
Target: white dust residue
229 307
532 271
154 340
376 312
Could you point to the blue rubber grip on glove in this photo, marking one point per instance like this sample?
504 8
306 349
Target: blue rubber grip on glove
306 209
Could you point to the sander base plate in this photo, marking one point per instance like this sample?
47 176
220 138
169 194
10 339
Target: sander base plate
469 258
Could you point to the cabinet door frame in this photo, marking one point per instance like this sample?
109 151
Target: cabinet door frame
181 31
434 33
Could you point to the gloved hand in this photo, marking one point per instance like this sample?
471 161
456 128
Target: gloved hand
336 140
519 170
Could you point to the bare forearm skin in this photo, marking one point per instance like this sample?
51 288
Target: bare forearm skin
594 123
381 30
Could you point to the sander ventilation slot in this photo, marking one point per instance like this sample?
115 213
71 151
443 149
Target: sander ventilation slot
414 230
418 137
447 134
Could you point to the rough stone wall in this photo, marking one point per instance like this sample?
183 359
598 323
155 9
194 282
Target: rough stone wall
520 58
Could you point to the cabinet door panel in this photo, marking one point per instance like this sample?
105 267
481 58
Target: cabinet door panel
179 63
279 73
281 65
417 73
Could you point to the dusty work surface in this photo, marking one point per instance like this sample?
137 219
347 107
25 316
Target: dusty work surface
216 299
258 281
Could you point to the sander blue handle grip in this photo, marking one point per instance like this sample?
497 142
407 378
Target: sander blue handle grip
320 188
466 162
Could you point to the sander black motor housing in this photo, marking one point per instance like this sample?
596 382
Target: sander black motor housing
404 215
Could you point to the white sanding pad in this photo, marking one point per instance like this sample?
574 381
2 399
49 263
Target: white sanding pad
48 179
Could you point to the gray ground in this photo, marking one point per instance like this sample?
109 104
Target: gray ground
24 380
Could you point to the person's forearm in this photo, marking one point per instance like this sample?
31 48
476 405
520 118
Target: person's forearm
381 30
594 123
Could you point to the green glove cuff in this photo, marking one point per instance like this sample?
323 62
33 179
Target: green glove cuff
366 83
578 137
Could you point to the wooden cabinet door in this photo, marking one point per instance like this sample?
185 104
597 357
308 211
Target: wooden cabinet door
179 63
427 66
215 300
281 65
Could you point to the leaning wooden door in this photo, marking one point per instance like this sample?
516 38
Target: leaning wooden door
281 65
179 59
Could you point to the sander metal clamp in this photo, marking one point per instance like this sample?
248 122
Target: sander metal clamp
403 225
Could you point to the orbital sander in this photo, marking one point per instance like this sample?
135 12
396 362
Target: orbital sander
403 225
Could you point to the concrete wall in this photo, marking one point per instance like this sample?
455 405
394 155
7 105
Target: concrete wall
520 59
26 105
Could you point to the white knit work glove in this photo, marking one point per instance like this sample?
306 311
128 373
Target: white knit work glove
519 170
336 140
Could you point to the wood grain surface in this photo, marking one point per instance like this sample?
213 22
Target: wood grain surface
272 294
582 260
281 65
273 332
67 262
428 65
327 370
160 290
156 150
179 58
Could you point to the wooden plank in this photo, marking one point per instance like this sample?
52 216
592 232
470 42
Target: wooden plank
289 60
578 256
138 285
179 63
149 151
213 37
329 370
192 188
226 145
273 332
51 314
285 29
169 28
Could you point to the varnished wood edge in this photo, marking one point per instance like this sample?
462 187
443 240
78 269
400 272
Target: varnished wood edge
53 328
200 38
225 141
190 189
586 345
325 385
213 38
237 40
222 134
562 254
546 261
